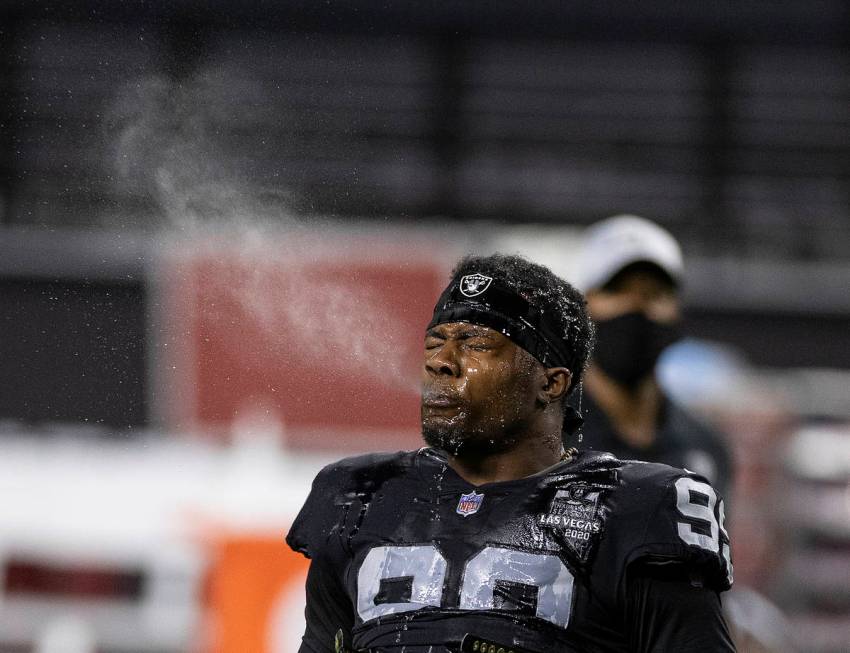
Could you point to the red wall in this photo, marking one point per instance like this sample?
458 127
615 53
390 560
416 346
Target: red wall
324 336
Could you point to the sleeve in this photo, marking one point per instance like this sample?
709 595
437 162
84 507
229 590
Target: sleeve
687 527
328 613
670 609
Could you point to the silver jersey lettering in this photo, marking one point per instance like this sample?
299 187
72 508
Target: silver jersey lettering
423 564
544 571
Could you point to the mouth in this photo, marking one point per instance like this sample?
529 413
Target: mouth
440 400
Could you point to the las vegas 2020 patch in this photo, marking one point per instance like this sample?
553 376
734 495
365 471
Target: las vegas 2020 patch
574 518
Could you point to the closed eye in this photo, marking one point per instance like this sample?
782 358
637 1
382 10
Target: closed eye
472 339
432 342
478 344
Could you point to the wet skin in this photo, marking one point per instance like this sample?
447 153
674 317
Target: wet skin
489 403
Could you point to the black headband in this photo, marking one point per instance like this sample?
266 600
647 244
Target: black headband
479 299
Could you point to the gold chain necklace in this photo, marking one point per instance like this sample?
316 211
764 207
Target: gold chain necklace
569 453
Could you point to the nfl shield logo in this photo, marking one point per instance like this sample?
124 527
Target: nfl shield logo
469 503
473 285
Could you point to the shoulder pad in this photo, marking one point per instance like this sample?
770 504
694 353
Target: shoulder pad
673 516
587 460
334 489
584 464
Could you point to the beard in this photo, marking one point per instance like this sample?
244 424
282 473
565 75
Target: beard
448 437
456 437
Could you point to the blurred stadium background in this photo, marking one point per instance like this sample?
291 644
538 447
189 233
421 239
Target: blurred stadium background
222 225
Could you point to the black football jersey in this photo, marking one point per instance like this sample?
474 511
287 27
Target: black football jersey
408 556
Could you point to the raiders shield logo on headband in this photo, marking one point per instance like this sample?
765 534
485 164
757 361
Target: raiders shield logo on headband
473 285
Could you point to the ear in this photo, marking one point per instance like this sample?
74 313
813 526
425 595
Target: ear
557 383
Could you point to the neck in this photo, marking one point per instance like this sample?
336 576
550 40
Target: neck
529 456
633 412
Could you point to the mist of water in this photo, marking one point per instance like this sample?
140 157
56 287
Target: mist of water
174 145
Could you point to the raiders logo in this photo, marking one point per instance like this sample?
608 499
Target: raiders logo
473 285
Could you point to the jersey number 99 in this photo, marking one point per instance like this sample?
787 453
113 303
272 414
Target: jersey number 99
696 502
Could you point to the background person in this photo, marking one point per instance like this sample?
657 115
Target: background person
631 272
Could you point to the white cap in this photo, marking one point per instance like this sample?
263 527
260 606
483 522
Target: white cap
614 243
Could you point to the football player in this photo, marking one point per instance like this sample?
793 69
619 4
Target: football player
493 538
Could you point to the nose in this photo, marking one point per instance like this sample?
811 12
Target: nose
442 360
660 307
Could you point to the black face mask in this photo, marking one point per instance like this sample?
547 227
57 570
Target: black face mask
628 346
